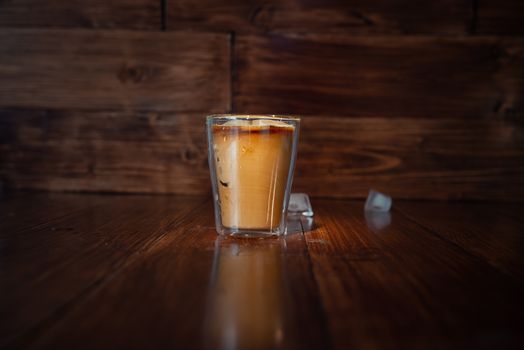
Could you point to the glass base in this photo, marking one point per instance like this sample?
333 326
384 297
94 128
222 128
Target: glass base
249 233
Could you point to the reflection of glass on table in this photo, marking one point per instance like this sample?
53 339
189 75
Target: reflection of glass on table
245 309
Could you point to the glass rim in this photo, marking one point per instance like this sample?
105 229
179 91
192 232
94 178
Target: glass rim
235 116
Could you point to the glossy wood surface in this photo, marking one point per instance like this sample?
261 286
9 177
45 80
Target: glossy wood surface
91 271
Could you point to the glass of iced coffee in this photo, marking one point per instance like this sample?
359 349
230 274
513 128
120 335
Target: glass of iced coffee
251 159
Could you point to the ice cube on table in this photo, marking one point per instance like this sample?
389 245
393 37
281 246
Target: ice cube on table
299 204
378 202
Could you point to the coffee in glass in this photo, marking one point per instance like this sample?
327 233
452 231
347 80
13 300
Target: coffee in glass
251 158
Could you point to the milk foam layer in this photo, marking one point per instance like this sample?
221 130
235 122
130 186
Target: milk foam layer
257 123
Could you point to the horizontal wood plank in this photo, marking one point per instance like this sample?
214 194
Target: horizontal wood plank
294 16
338 157
401 286
111 152
105 151
411 158
114 70
134 14
500 17
417 76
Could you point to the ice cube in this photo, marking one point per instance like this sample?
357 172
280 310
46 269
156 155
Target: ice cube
299 204
377 201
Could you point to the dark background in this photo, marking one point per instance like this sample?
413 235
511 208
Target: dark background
419 99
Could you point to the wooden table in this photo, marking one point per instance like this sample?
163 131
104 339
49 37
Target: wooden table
101 271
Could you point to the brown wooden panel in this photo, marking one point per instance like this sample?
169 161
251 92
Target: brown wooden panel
136 14
50 267
405 287
380 76
104 151
297 16
340 157
500 17
411 158
114 70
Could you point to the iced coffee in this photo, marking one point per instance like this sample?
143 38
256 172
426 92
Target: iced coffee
252 164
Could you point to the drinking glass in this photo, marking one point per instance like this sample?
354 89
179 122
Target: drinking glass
251 160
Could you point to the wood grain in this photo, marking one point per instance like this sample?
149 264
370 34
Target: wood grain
104 151
408 76
411 158
122 70
294 16
337 157
500 18
404 287
150 271
191 288
309 324
134 14
471 226
47 268
167 292
27 210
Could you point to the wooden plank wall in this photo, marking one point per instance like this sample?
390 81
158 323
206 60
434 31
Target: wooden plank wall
418 99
